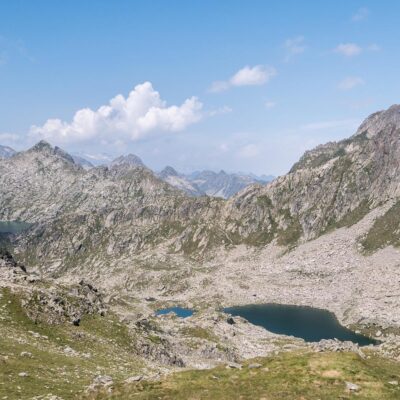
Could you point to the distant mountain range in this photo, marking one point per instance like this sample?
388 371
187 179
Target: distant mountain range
82 162
6 152
199 183
215 184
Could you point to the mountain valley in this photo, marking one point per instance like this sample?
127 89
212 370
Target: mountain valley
105 247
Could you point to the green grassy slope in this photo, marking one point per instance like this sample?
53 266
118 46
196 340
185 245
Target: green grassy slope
100 346
289 376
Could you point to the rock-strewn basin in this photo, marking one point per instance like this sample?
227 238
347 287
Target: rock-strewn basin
308 323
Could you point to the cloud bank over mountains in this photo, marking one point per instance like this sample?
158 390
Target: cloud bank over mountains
140 114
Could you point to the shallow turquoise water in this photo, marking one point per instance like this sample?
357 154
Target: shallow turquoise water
179 311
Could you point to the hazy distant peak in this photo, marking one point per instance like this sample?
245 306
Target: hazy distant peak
168 171
129 160
82 162
6 152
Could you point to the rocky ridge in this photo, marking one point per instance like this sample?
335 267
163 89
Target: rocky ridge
126 210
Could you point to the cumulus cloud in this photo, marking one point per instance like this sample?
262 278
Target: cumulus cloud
247 76
350 82
361 14
348 49
220 111
134 117
294 46
352 49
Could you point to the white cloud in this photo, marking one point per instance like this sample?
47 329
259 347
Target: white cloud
269 104
249 151
219 86
361 14
350 82
257 75
294 46
348 49
134 117
352 49
219 111
247 76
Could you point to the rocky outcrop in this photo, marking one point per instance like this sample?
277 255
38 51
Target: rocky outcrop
9 268
58 305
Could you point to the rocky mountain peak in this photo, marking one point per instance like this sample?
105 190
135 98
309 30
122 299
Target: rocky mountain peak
45 148
378 121
129 160
168 171
42 146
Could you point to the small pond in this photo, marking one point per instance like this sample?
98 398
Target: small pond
310 324
179 311
14 226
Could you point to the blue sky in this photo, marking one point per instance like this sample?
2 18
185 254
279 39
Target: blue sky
234 85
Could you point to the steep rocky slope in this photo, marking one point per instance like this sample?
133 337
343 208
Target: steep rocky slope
331 186
99 213
120 211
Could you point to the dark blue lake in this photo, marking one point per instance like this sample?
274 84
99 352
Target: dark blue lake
310 324
179 311
14 226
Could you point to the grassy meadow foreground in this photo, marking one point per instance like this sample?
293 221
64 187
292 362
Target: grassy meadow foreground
288 376
37 359
60 362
